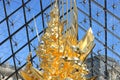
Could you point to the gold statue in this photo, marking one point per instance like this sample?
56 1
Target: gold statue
62 54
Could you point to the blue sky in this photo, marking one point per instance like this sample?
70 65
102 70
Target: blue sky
83 20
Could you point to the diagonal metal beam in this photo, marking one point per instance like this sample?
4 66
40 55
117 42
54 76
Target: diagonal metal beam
90 23
106 9
104 62
37 15
99 24
25 24
43 23
27 42
24 46
106 51
20 48
117 54
24 12
8 27
19 68
99 54
15 11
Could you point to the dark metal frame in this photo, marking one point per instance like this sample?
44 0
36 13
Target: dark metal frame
90 22
8 27
116 53
41 13
24 12
10 35
105 12
43 23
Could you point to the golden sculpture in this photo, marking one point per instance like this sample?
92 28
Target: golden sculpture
62 54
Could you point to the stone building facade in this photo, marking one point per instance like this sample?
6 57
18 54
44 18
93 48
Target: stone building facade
98 68
6 70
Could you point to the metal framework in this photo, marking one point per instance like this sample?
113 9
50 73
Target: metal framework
106 52
18 36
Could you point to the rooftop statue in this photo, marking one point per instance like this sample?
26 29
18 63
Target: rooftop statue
62 55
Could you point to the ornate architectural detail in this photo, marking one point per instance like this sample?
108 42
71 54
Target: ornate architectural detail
62 54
